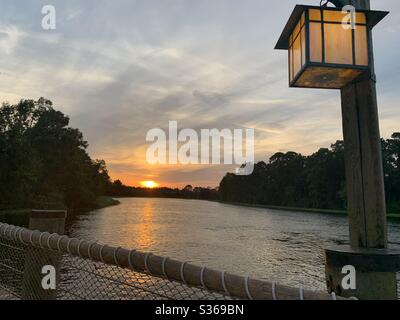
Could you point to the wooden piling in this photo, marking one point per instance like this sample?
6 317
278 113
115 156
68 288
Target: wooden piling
37 258
365 186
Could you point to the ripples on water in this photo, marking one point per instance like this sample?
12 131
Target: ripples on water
267 244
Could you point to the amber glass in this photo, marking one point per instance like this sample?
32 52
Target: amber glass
334 16
296 31
315 14
297 49
361 18
361 46
338 44
315 42
296 55
339 16
331 42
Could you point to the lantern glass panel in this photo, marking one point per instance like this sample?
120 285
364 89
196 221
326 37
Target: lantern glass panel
338 44
361 18
303 46
296 31
315 42
361 46
315 14
297 49
297 55
333 16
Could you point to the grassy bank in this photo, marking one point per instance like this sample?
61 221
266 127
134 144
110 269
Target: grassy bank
104 202
20 217
391 216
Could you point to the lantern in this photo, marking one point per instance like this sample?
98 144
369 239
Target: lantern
324 50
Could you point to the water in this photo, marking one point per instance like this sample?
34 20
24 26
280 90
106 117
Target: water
269 244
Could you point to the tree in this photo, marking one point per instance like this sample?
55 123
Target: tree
391 164
316 181
43 158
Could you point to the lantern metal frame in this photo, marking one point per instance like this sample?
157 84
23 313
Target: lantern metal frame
372 19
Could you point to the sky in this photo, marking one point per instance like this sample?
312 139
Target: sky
119 68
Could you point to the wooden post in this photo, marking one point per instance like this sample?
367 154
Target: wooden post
36 258
365 188
364 171
363 157
52 221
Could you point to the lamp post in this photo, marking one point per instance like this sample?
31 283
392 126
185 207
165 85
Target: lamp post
325 53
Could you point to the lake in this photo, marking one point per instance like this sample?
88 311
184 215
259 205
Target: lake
269 244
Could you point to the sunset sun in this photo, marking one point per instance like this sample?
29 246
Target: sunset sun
149 184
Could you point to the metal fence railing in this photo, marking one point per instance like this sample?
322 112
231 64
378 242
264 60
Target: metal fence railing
91 271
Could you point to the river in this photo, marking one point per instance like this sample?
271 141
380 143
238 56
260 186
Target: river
269 244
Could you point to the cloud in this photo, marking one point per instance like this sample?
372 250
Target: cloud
213 99
121 69
10 36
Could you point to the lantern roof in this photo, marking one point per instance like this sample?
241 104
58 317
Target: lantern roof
373 18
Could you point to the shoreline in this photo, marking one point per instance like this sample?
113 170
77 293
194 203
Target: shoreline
343 213
21 216
391 216
106 201
291 209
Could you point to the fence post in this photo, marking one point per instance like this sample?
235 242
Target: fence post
36 258
52 221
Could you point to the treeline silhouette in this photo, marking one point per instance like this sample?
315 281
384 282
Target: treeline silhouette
118 189
43 162
316 181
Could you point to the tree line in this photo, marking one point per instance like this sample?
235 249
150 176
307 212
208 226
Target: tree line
44 162
316 181
118 189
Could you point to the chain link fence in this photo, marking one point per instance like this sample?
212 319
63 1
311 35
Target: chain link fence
87 270
83 279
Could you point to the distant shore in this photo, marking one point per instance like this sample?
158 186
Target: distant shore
21 216
391 216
